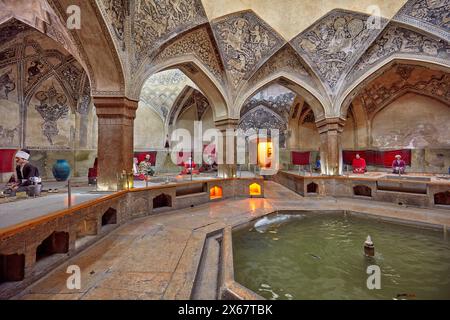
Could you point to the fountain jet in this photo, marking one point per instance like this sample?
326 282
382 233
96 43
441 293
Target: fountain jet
369 249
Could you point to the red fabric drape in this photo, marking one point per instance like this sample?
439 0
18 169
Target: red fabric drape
377 158
7 160
300 158
389 157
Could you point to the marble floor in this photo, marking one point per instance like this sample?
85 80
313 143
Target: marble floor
157 257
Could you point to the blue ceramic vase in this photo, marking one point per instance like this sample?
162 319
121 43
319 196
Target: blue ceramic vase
61 170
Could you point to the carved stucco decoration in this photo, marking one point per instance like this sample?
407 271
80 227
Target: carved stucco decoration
286 59
167 78
270 112
72 76
7 56
380 93
156 21
398 40
7 136
84 102
162 89
52 107
432 15
38 65
245 43
280 104
7 84
11 29
201 103
198 43
332 45
262 117
116 12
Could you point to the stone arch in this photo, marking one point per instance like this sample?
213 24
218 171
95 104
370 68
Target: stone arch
193 68
106 78
99 58
56 242
176 109
312 187
401 93
346 98
109 217
361 124
319 105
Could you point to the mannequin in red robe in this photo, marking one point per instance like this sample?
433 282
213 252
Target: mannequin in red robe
359 164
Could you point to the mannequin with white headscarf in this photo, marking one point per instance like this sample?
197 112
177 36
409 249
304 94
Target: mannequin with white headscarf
25 171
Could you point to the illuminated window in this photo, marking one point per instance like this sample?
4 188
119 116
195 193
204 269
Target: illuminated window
265 154
255 189
215 192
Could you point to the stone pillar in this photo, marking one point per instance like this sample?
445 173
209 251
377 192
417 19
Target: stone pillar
115 139
330 130
226 149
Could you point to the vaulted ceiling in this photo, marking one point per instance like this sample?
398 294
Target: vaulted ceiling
242 46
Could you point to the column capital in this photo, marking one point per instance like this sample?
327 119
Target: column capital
115 107
331 124
226 124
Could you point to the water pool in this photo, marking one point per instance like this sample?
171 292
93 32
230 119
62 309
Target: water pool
320 256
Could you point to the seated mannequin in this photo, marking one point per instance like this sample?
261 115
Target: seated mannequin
145 168
26 174
398 165
209 166
359 164
189 167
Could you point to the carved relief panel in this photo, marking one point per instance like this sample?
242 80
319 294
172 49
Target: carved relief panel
198 43
334 43
428 14
245 42
155 21
398 40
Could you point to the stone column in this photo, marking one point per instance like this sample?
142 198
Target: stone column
226 149
115 139
330 130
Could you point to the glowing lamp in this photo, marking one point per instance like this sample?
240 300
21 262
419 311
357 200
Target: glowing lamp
255 189
215 192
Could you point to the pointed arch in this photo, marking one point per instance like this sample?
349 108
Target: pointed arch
320 105
354 89
175 110
98 54
192 67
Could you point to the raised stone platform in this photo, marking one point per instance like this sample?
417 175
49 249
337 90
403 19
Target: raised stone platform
415 190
